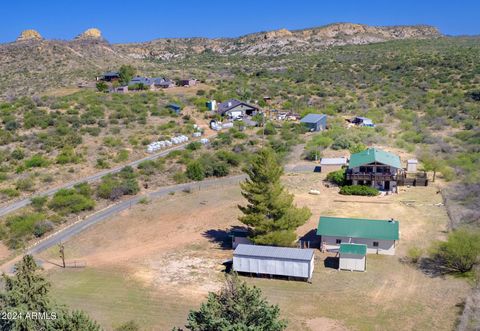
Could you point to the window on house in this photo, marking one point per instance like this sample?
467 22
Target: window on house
338 241
375 244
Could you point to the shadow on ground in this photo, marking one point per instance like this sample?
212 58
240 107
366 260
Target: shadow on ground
222 236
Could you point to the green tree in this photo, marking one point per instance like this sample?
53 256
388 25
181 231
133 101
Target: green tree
195 171
27 292
461 251
270 210
126 73
102 87
236 307
432 163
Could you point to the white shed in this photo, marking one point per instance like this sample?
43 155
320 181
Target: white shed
412 165
332 164
269 260
353 257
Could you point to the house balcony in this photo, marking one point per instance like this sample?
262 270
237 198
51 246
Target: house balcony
372 176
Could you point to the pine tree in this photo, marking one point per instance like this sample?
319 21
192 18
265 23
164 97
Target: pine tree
27 292
270 211
236 307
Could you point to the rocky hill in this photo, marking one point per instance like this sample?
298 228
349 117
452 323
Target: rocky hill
32 64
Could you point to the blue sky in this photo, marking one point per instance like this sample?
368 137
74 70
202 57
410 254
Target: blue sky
142 20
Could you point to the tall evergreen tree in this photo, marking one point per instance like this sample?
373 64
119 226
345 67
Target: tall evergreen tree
270 211
25 299
236 307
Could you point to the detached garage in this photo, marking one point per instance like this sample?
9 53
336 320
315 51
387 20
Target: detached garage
277 261
353 257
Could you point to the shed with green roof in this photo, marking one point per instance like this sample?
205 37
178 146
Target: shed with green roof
379 236
352 257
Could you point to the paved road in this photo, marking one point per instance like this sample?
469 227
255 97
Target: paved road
67 233
24 202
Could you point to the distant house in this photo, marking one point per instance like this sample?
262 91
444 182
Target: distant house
234 109
161 82
110 76
380 236
375 168
187 82
147 83
315 122
274 261
362 121
352 257
328 164
176 108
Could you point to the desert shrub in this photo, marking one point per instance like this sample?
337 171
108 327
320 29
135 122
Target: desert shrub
231 158
113 188
68 155
42 227
269 129
122 156
18 154
180 177
10 192
312 154
461 252
220 169
194 145
84 189
25 184
68 201
337 177
359 190
341 142
414 254
36 161
38 202
102 163
22 226
195 171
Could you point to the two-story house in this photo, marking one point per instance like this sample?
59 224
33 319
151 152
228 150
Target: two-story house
375 168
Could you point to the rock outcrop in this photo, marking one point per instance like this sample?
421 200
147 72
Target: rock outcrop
90 34
29 35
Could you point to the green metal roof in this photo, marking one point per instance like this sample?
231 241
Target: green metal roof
358 228
374 155
357 249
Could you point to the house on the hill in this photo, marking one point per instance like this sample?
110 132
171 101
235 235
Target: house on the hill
315 122
375 168
380 236
110 76
274 261
352 257
161 82
235 109
137 81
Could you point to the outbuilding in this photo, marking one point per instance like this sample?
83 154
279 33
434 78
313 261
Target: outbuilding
353 257
274 261
329 164
412 165
175 108
315 122
380 236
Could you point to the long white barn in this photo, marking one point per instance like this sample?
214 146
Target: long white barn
269 260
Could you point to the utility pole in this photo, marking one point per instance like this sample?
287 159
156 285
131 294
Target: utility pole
62 253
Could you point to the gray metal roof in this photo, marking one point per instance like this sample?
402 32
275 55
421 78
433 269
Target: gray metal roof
333 161
230 104
274 252
313 118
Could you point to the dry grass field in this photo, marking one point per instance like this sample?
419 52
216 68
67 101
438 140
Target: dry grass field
156 261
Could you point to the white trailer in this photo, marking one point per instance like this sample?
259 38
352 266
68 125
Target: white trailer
277 261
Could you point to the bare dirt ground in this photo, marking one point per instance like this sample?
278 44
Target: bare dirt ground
164 257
